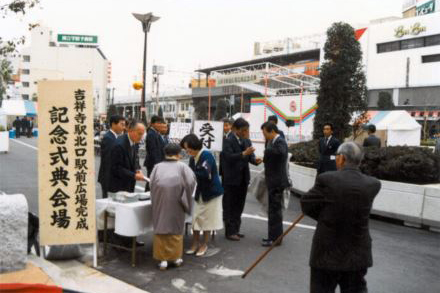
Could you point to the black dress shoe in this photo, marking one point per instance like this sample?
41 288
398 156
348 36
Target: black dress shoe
233 237
269 243
240 235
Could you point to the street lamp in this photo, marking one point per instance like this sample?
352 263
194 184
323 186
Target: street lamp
146 20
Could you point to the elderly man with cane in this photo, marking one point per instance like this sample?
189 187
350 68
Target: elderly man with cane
341 202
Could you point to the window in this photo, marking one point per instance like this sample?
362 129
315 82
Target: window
431 58
26 58
430 114
413 114
25 97
25 84
412 43
25 71
182 107
187 106
388 47
432 40
409 44
422 114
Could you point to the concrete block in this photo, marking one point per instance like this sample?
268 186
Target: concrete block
400 201
14 230
431 207
303 178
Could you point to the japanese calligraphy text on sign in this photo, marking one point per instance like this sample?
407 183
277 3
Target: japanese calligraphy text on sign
178 130
211 133
66 162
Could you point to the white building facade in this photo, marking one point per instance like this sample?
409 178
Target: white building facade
64 57
402 57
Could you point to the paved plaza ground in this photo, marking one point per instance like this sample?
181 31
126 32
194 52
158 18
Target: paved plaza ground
406 260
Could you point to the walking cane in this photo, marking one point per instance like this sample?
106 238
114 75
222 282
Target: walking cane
263 255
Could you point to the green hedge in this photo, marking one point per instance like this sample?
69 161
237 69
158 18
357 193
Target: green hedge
417 165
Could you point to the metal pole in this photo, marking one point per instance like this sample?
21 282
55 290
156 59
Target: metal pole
241 104
209 99
144 78
265 96
300 112
113 96
157 92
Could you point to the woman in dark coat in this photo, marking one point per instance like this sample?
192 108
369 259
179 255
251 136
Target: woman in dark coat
207 216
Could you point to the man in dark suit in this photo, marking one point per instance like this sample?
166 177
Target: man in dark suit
154 144
341 202
328 145
30 127
17 125
275 171
117 126
125 168
274 120
24 125
372 140
237 154
227 127
164 132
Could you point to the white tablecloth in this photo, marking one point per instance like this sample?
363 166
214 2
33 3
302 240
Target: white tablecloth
131 219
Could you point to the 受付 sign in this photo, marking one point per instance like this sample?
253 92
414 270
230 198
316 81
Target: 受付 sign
66 162
211 133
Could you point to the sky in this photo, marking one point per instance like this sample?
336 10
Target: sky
191 34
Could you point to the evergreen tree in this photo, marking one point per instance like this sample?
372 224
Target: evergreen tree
201 110
343 90
385 101
221 110
111 111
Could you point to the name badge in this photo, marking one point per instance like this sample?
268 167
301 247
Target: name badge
332 158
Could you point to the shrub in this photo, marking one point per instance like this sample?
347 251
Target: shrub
402 163
416 165
305 153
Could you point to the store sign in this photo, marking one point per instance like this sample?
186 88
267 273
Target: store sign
414 30
426 8
231 79
77 39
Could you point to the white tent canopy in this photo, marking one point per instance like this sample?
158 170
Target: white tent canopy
13 108
401 128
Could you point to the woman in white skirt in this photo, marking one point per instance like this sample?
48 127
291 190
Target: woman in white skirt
207 215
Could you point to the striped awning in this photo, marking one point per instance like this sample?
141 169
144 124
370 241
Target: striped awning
432 115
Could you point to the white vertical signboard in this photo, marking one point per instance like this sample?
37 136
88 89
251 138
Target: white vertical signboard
211 133
66 162
178 131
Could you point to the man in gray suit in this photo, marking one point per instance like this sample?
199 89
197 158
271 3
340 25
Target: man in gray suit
341 202
372 139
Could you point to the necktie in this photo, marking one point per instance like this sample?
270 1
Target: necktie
133 152
326 141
